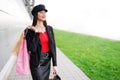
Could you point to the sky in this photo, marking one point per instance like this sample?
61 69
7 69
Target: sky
93 17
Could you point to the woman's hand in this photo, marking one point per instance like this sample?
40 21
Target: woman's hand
32 28
55 70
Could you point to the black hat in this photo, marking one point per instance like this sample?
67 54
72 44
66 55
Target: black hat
37 8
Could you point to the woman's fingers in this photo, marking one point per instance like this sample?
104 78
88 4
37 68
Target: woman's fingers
31 28
55 70
28 27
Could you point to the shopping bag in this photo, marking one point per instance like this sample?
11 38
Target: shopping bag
22 64
56 77
16 48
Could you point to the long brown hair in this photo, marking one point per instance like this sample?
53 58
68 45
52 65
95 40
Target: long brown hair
35 21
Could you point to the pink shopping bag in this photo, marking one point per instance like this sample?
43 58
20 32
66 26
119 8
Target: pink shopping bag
22 64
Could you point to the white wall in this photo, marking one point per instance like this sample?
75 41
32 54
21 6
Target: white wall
16 12
13 19
94 17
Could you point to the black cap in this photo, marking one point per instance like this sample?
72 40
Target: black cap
38 8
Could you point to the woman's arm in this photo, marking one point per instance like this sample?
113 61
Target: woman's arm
54 49
54 55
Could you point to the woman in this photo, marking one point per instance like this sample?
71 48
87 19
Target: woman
41 45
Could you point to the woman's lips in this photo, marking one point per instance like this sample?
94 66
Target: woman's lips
43 16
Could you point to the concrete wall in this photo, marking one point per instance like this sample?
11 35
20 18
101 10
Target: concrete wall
13 19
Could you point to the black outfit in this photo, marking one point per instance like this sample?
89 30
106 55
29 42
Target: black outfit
40 62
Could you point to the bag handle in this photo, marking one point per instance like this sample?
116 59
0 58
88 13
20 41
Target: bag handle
25 32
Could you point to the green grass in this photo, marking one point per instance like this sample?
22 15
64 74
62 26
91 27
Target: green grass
98 58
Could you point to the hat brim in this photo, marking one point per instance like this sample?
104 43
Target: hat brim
33 12
46 10
43 10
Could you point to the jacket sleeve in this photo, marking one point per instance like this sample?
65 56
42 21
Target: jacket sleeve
54 55
31 38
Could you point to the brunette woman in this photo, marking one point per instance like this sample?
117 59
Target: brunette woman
41 45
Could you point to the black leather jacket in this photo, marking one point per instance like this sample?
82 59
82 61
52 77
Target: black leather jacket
34 46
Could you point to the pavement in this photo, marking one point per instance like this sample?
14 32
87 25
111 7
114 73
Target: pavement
67 70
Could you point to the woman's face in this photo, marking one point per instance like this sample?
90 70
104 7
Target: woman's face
42 15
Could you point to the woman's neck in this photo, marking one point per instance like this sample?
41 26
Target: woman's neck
39 24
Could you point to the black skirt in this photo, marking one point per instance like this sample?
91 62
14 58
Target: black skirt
42 71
